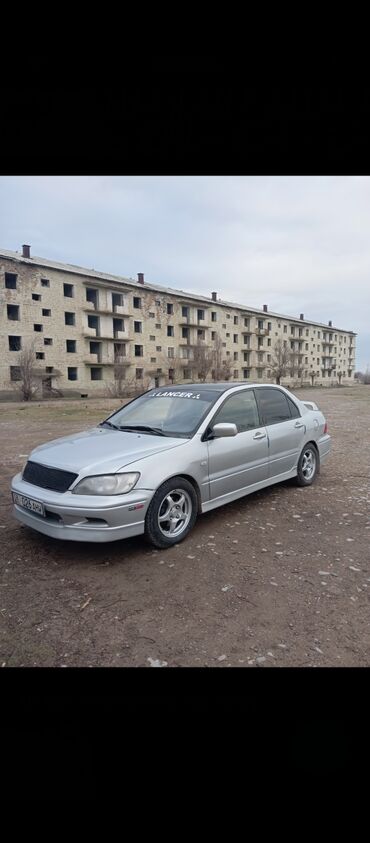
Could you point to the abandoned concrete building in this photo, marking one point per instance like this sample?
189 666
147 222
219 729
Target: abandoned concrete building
92 331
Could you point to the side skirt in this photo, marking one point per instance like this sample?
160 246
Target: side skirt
247 490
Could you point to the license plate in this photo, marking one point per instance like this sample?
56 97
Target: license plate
28 503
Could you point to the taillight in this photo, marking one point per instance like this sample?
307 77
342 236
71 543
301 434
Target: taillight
326 427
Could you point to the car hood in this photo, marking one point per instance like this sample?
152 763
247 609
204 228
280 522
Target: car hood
101 450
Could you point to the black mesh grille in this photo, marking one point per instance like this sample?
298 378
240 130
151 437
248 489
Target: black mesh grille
48 478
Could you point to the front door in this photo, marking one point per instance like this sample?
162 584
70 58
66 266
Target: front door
238 462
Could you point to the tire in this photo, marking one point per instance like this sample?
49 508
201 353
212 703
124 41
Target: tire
177 497
308 466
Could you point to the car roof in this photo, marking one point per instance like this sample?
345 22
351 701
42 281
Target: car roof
218 386
212 387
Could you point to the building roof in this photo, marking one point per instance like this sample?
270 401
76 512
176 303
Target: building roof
122 280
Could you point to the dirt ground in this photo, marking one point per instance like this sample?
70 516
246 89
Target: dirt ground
279 578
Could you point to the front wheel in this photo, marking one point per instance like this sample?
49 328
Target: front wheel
308 466
172 512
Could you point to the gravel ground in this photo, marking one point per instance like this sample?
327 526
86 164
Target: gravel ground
279 578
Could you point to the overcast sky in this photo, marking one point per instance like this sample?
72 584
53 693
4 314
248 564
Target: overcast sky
297 244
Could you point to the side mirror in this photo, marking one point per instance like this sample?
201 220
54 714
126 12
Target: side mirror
224 429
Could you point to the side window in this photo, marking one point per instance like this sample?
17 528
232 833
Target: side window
293 409
240 409
273 405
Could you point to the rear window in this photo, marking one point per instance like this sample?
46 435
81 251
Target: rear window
273 404
293 408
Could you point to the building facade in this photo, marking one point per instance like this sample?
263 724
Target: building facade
97 334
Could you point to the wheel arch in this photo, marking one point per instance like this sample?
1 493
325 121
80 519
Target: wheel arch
193 482
316 447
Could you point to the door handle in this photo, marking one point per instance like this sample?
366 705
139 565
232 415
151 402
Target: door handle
259 435
298 425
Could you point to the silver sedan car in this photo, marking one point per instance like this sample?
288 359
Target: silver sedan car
165 457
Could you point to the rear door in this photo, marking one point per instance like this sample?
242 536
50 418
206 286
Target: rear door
285 429
237 462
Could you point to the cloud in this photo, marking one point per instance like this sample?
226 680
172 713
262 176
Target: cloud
299 244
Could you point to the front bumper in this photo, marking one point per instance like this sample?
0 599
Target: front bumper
87 518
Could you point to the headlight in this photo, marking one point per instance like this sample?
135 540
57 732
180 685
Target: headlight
107 484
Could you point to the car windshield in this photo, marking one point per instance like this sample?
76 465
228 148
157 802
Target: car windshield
167 412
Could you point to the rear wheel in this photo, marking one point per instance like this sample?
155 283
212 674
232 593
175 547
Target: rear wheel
172 512
308 466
